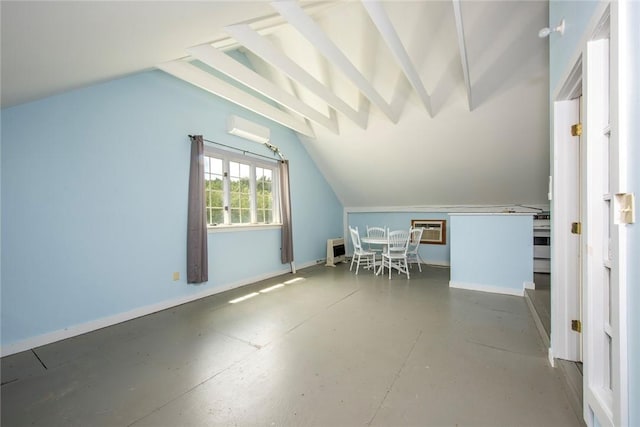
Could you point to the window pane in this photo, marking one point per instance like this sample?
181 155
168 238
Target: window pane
240 216
234 169
216 167
264 196
240 195
217 216
246 215
213 187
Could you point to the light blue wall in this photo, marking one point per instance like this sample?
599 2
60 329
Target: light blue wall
94 196
578 14
435 254
492 250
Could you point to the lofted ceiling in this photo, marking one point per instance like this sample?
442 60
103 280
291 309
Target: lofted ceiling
399 103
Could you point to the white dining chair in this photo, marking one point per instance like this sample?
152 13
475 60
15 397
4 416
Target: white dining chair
376 233
359 253
395 254
413 254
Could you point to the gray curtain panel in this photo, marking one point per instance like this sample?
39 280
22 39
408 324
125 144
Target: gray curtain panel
197 264
285 208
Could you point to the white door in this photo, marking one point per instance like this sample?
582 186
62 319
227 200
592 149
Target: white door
565 245
605 316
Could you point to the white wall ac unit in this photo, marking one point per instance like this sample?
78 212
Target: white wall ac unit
248 130
335 251
434 231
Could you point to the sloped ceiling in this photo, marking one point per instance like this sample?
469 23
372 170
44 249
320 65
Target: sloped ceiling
400 103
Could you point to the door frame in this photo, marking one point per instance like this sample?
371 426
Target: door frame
613 408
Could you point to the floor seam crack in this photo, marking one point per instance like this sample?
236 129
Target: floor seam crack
395 378
258 346
319 312
204 381
39 360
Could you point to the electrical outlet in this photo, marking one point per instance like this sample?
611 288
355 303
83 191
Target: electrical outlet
176 275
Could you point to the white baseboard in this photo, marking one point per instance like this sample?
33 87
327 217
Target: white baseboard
436 263
93 325
529 285
309 264
486 288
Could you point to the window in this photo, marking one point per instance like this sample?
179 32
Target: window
239 190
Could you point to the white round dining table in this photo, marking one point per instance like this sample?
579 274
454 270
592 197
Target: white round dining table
375 241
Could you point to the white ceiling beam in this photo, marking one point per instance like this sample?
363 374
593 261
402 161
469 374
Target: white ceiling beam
462 46
260 46
306 26
388 32
267 25
202 79
233 69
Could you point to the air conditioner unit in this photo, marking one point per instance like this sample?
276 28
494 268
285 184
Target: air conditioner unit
248 130
434 231
335 251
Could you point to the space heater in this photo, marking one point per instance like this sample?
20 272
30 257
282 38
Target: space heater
335 251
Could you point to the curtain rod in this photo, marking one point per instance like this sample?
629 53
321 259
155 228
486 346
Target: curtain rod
245 152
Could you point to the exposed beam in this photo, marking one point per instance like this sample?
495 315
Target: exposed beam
210 83
260 46
462 46
232 68
296 16
269 24
388 32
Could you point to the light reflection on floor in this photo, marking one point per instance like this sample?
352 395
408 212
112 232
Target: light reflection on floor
265 290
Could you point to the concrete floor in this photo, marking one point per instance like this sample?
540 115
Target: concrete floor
333 349
541 299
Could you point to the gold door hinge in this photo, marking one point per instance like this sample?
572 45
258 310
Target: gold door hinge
576 228
576 325
576 130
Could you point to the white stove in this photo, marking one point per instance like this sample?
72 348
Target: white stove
542 243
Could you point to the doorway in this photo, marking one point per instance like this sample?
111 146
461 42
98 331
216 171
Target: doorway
599 301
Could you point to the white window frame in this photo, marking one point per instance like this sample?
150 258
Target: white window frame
226 157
